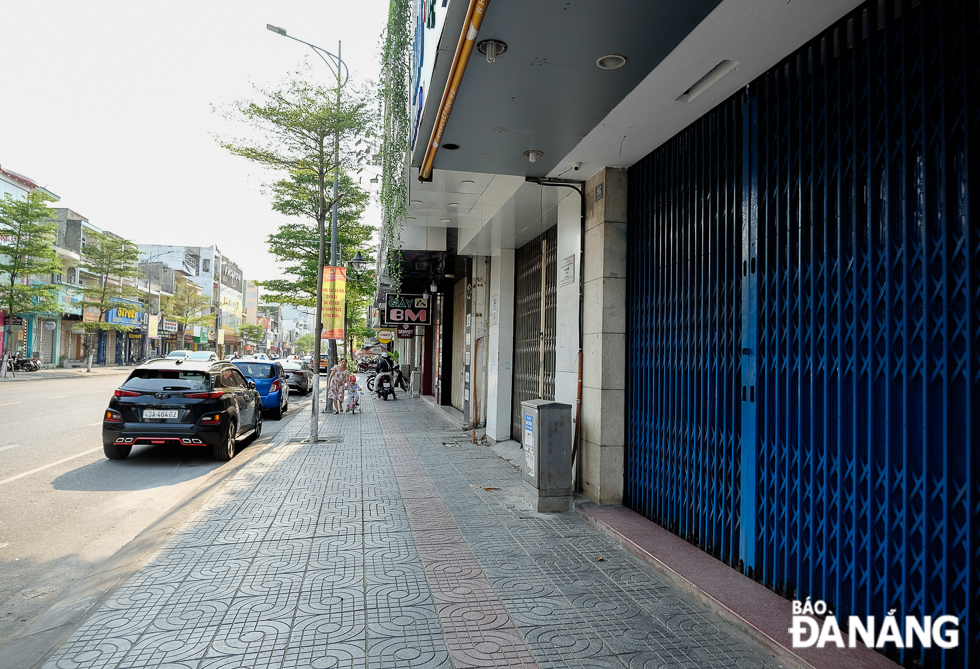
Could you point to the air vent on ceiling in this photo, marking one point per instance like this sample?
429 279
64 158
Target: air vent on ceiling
713 75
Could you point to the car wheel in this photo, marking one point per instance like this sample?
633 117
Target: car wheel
225 449
277 414
258 426
117 451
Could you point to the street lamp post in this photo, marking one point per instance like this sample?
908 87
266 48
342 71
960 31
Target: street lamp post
339 68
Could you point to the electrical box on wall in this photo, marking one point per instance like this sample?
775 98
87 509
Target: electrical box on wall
546 438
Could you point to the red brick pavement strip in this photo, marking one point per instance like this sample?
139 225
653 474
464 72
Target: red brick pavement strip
477 629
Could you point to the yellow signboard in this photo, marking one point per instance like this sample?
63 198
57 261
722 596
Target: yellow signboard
385 336
334 298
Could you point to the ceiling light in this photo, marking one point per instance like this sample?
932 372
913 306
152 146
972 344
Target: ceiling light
467 181
415 202
453 204
702 84
491 48
533 155
433 288
450 147
445 220
611 62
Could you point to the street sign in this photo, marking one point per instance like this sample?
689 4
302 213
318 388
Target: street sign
385 336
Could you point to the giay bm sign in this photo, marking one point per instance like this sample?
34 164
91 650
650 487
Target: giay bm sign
406 310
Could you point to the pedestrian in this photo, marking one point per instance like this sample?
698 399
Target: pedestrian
335 385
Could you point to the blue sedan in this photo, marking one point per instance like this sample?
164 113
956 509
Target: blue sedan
270 381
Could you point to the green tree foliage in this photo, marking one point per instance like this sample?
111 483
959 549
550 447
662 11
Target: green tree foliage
188 307
27 238
296 245
294 131
115 263
251 334
304 345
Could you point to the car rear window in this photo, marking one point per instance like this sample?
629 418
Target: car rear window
292 365
257 370
166 379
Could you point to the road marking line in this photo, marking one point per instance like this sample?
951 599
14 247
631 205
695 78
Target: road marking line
58 462
7 448
57 397
8 404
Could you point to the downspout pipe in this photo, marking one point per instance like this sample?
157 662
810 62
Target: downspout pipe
467 40
578 187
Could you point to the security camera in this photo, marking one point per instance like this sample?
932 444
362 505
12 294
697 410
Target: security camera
576 166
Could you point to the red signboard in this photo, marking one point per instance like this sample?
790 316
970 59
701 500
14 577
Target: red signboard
406 331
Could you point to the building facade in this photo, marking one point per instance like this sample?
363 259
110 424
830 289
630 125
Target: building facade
735 239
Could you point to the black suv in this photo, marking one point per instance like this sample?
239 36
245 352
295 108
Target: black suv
176 401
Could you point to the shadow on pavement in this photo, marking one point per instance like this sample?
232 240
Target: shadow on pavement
146 467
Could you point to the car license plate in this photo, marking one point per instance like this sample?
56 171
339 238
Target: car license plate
153 413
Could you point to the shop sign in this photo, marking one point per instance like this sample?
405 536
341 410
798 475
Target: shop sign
169 326
128 313
406 331
385 336
406 309
49 325
135 335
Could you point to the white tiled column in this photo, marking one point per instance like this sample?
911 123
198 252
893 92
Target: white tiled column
567 303
500 361
604 337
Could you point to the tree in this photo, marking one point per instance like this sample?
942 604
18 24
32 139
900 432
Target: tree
299 126
296 245
115 263
251 334
304 344
27 238
188 307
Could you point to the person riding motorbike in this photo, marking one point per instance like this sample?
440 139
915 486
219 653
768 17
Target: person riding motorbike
385 367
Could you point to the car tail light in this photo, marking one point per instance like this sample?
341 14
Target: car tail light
112 416
125 393
210 419
275 386
210 395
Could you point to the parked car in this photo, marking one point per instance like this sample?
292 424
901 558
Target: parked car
179 354
299 376
185 402
203 355
269 378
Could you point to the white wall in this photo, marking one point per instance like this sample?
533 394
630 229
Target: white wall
500 349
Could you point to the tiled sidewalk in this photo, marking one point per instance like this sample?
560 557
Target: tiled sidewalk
401 545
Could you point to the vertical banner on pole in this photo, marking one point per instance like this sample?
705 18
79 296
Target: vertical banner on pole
334 296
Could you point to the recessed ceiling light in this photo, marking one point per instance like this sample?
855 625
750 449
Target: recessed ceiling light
533 155
611 62
491 48
467 181
453 204
445 220
416 202
450 147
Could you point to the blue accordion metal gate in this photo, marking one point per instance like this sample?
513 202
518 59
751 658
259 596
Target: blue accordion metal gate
804 308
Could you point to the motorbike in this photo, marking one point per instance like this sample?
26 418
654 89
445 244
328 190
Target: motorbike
400 380
386 388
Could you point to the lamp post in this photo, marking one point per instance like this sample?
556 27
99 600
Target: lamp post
339 68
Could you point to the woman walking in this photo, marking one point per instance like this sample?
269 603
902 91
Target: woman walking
335 384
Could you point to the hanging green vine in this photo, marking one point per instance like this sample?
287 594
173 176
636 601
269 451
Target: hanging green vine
395 83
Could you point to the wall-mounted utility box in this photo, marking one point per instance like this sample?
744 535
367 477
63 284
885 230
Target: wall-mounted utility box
547 442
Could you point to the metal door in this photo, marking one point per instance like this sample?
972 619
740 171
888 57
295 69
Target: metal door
804 315
535 313
459 342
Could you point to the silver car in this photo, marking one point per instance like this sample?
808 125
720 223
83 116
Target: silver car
298 376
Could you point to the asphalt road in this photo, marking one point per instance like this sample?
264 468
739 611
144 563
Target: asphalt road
65 508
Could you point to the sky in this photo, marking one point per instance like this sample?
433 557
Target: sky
110 105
